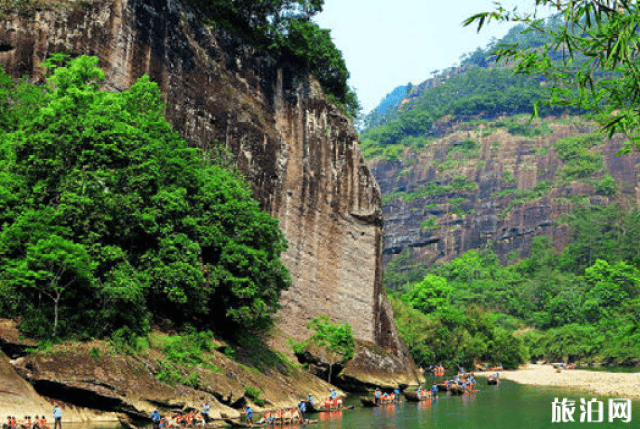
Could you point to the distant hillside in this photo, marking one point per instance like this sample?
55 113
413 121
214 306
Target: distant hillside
479 88
461 167
496 184
374 117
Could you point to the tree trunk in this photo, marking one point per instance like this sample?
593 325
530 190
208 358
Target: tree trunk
55 312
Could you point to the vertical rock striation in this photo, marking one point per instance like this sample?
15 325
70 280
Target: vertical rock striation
298 150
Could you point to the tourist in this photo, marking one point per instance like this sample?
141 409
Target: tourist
155 418
249 413
302 406
205 411
57 415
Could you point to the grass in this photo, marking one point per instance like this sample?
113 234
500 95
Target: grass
540 190
457 183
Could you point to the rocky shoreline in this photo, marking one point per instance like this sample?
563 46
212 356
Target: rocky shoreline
97 382
620 385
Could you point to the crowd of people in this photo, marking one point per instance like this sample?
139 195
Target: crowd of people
179 419
385 398
38 422
467 381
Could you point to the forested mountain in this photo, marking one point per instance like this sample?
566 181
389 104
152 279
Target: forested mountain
497 224
390 100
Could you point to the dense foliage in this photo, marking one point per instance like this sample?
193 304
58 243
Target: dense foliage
110 220
336 340
580 305
599 67
480 92
285 29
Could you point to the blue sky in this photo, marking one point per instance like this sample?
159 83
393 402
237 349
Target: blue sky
390 43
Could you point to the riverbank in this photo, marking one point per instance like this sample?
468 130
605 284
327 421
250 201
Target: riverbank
621 385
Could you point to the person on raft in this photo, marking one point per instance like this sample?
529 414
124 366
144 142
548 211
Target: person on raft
155 418
206 408
8 424
249 413
302 407
334 394
396 392
377 394
43 422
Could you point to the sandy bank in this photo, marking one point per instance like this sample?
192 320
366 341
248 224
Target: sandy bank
619 385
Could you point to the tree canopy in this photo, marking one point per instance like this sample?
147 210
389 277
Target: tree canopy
580 304
113 216
599 67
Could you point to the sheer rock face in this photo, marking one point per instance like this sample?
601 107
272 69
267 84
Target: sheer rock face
299 151
500 168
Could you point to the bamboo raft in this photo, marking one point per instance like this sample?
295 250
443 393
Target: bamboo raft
239 424
456 390
368 402
313 409
492 381
412 396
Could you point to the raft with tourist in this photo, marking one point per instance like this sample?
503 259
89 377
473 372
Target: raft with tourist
416 395
493 380
240 424
332 403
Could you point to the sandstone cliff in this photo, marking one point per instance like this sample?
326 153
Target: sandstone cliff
481 185
299 151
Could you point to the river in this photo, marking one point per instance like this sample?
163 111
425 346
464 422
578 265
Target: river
507 406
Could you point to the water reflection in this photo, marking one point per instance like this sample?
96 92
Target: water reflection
330 416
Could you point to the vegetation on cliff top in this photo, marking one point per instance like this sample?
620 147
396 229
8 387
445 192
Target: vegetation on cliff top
110 221
285 29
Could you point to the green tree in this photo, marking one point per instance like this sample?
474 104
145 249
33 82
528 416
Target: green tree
160 229
598 66
53 265
431 294
610 286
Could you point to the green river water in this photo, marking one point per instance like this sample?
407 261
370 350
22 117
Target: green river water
507 406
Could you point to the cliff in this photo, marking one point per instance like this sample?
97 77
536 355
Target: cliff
497 184
298 150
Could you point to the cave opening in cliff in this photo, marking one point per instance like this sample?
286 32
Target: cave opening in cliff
78 396
5 47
